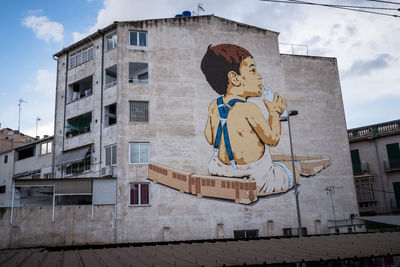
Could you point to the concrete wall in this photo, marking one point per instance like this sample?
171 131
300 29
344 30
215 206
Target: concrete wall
32 226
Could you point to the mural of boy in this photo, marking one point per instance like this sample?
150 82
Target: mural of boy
240 134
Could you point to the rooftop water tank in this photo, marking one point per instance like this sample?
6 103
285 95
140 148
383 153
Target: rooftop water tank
186 13
178 16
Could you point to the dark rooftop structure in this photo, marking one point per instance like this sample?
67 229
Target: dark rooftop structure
360 249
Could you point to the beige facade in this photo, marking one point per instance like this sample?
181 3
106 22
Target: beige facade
175 97
10 139
376 167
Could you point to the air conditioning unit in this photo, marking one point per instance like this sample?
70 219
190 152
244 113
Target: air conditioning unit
106 171
114 171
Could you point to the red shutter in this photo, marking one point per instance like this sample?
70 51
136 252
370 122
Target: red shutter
144 194
134 194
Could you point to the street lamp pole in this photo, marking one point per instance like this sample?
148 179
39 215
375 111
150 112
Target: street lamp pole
296 193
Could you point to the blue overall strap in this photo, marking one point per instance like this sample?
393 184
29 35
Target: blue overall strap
223 114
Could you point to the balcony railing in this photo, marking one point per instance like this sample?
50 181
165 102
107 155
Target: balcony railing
374 130
392 164
360 169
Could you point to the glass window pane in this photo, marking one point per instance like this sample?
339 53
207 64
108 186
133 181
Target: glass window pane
90 52
114 155
108 156
144 153
134 194
78 58
144 194
49 144
43 149
84 55
72 61
134 149
142 38
133 38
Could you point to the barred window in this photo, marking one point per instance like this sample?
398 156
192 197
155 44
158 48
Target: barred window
365 189
139 111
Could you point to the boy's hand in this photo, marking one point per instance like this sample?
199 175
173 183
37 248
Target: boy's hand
277 105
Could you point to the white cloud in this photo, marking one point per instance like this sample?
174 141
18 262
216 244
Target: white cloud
44 28
45 82
357 40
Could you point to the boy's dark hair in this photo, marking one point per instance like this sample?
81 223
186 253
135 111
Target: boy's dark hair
218 61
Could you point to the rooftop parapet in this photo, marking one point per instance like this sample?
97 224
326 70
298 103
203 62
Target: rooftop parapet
374 131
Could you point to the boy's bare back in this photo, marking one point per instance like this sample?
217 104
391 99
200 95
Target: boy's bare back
248 131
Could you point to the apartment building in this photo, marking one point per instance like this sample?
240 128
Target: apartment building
375 156
131 108
10 139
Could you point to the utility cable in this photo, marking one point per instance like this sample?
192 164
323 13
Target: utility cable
386 2
355 8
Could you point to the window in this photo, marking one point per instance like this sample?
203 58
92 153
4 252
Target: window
138 38
78 125
240 234
36 174
5 158
110 153
80 89
25 152
45 148
396 189
78 167
355 160
365 189
138 72
110 76
139 153
287 231
139 194
110 114
80 57
2 189
111 42
139 111
393 153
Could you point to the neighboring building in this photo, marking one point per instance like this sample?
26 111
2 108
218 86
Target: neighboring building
6 173
10 139
131 108
375 155
31 162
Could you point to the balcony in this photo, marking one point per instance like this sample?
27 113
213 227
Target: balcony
372 131
361 169
391 165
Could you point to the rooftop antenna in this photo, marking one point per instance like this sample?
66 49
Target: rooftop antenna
20 102
199 8
37 121
331 190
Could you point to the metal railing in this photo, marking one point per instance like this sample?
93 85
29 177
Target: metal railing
295 45
374 130
391 164
362 168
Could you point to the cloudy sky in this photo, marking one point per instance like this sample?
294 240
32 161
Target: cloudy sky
366 46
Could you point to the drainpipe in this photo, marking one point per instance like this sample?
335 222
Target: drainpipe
53 145
12 204
101 107
381 171
65 107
